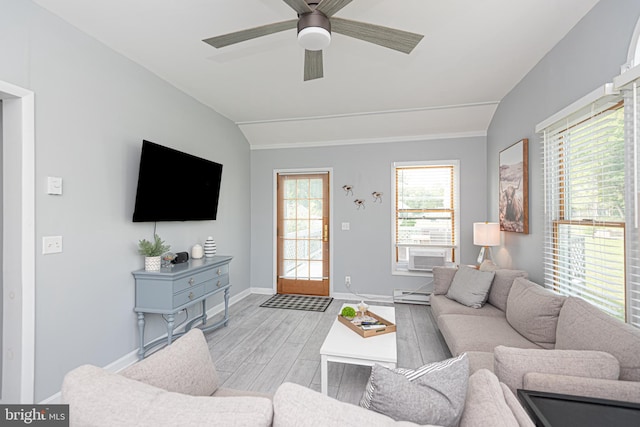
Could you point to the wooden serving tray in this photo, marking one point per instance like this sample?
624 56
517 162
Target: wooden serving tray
390 327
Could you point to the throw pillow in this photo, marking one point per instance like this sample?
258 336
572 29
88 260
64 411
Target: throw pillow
533 311
184 367
442 277
432 394
501 286
470 287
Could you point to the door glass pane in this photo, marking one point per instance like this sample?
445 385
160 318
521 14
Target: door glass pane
303 189
315 209
315 190
316 269
302 228
303 208
290 229
315 247
303 249
289 269
289 249
290 209
290 189
316 229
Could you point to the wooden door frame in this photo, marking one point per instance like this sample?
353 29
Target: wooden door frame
274 229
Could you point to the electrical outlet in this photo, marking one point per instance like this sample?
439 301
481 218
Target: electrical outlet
347 280
51 244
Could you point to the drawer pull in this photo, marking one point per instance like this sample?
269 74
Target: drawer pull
191 295
219 283
219 272
191 282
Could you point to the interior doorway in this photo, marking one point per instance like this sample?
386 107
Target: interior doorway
303 233
18 244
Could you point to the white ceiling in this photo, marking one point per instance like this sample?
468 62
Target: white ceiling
472 55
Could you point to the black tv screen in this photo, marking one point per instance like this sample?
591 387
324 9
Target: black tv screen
176 186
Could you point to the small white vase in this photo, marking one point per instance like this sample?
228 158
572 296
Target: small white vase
152 263
197 251
209 247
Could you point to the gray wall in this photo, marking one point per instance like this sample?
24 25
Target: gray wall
589 56
364 252
93 108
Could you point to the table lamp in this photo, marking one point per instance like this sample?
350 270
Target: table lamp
486 234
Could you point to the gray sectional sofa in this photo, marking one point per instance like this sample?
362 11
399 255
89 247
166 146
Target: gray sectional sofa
178 385
519 336
536 339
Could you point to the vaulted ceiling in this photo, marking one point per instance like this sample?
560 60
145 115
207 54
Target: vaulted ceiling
473 53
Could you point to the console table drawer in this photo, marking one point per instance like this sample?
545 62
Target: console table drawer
191 281
188 295
222 270
217 283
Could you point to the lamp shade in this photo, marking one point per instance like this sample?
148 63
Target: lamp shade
486 233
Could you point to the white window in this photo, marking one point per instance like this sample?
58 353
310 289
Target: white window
425 215
584 175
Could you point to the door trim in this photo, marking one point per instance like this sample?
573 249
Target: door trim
274 226
18 110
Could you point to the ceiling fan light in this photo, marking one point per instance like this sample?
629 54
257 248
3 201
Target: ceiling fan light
314 38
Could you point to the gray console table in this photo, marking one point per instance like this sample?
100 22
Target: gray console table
176 288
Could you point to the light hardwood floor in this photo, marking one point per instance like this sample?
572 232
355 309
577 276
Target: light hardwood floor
264 347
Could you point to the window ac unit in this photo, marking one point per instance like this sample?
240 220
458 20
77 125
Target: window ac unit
426 259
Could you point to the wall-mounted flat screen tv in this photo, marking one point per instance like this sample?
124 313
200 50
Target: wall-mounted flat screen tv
175 186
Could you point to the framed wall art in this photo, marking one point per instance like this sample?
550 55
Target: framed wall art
514 187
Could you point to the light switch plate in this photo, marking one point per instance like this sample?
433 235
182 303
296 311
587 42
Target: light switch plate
54 185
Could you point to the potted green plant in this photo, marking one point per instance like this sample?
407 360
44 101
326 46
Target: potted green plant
152 252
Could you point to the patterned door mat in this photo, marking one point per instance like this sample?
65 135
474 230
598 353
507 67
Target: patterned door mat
298 302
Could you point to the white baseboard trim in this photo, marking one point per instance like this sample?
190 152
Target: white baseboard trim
263 291
366 297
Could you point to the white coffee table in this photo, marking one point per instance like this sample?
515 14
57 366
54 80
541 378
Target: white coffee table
345 346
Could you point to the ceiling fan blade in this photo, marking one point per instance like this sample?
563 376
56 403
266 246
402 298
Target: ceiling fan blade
299 6
251 33
312 65
330 7
399 40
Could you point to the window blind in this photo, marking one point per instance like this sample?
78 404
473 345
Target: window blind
632 182
425 214
585 206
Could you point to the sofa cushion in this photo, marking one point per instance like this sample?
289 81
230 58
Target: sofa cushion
511 364
479 360
432 394
626 391
533 312
470 286
440 305
185 367
295 406
581 326
501 285
516 408
442 278
485 404
479 333
102 399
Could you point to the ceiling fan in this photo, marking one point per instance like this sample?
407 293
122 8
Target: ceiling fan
315 23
